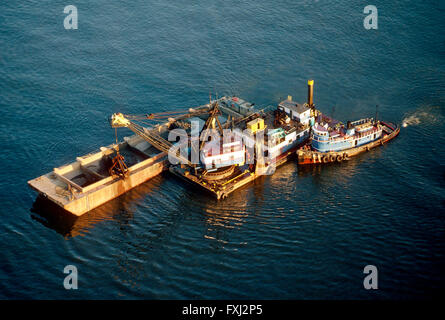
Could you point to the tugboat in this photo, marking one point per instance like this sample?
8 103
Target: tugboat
331 141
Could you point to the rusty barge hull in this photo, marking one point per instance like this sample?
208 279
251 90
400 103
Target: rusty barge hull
84 184
312 157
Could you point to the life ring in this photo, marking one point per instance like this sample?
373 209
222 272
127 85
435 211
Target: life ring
325 159
345 156
332 158
339 158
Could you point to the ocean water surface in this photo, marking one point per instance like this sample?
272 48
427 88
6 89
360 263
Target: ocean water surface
299 234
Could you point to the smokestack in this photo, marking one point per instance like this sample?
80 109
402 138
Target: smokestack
310 92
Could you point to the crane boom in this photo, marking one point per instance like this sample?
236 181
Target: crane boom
119 120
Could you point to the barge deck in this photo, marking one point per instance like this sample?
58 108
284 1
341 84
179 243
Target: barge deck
86 183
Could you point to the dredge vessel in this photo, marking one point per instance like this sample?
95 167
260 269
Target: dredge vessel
256 145
218 147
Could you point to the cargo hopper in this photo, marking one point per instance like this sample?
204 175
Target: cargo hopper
87 183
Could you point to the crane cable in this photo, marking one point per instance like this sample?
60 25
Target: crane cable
118 167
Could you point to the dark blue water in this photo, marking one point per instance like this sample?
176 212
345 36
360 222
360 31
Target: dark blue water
299 234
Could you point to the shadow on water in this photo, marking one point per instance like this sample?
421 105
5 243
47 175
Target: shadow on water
220 217
68 225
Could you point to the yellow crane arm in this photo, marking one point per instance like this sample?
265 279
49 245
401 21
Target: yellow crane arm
119 120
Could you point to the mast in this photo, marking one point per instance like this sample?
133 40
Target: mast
376 113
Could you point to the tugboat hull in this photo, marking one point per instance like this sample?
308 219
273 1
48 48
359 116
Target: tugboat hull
307 156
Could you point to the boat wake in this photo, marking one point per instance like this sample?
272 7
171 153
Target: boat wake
425 115
411 120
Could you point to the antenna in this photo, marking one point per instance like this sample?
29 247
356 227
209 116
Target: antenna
376 112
